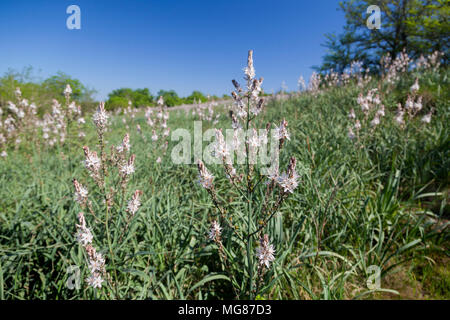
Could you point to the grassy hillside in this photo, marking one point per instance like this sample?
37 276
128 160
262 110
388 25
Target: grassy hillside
379 199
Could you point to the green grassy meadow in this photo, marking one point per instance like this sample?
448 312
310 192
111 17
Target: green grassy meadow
379 201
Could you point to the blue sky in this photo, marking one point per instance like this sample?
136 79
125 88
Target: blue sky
168 44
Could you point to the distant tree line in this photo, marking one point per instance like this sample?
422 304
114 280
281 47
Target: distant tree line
43 91
121 98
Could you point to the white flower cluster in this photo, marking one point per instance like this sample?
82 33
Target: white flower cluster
301 84
288 181
247 106
18 117
252 94
100 117
200 110
370 104
96 260
392 69
125 146
220 147
81 192
265 252
432 61
54 125
215 231
127 168
332 79
135 202
159 128
314 83
281 132
92 162
204 177
412 108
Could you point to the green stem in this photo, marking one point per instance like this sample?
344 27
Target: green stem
249 206
103 168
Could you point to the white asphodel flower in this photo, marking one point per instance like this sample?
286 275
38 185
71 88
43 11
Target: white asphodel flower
100 117
92 162
166 132
160 101
95 280
95 265
265 252
242 113
365 106
360 99
281 132
375 121
377 99
253 140
418 104
215 231
351 135
288 180
154 136
288 184
127 169
67 90
235 122
409 104
263 139
220 147
249 70
399 117
12 107
84 236
426 118
352 114
272 175
81 192
205 178
380 111
125 146
134 203
415 87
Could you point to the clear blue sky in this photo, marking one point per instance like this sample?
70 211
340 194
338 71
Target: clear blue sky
168 44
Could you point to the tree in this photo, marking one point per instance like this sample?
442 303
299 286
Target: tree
195 95
58 82
120 98
340 53
430 26
170 97
42 92
418 26
142 98
115 102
